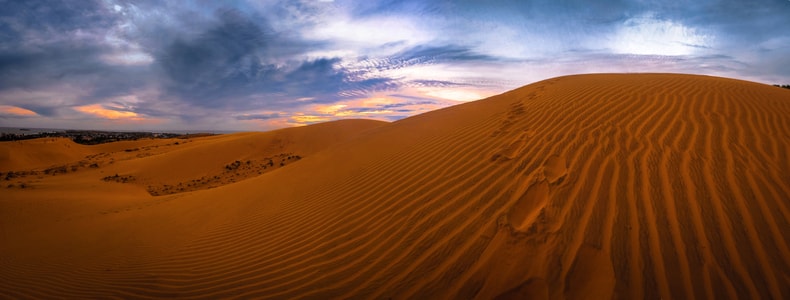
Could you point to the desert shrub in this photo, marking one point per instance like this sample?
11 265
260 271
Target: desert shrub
119 178
56 170
233 166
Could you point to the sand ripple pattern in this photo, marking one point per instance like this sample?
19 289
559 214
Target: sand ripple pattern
627 186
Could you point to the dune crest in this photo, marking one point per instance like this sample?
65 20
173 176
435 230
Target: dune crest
588 186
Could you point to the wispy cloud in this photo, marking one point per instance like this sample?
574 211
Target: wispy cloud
14 111
107 113
264 64
269 116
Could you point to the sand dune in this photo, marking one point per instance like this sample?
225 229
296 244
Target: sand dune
589 186
33 154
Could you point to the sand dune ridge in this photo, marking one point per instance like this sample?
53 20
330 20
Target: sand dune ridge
588 186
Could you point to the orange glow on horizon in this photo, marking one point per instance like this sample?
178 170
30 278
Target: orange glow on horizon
309 119
99 111
378 106
454 94
331 109
17 111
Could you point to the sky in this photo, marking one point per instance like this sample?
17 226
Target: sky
261 65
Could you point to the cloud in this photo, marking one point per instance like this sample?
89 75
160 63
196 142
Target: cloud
228 65
247 117
226 59
47 64
650 35
433 83
224 54
303 119
444 53
23 19
14 111
424 55
100 111
239 64
447 66
53 56
386 107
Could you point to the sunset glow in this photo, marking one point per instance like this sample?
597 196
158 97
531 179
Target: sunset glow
101 112
260 65
16 111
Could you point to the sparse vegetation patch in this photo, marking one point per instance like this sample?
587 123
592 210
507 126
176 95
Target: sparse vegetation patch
234 171
119 178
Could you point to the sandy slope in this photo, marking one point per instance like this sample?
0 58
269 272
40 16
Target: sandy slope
32 154
591 186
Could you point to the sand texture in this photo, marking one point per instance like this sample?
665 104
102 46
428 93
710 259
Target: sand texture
626 186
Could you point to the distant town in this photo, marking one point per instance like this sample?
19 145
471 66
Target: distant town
91 137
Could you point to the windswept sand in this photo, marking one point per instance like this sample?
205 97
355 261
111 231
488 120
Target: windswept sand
590 186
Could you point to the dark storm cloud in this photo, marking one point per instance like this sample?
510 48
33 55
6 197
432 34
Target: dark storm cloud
57 47
326 81
57 67
47 63
38 43
228 49
19 18
224 60
322 75
226 65
198 60
210 57
42 110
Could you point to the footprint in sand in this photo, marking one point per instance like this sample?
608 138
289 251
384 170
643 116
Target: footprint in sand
555 169
513 149
528 207
533 288
591 275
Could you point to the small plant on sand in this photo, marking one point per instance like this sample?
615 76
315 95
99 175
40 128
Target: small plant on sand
233 166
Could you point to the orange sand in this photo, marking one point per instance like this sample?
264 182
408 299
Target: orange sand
590 186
